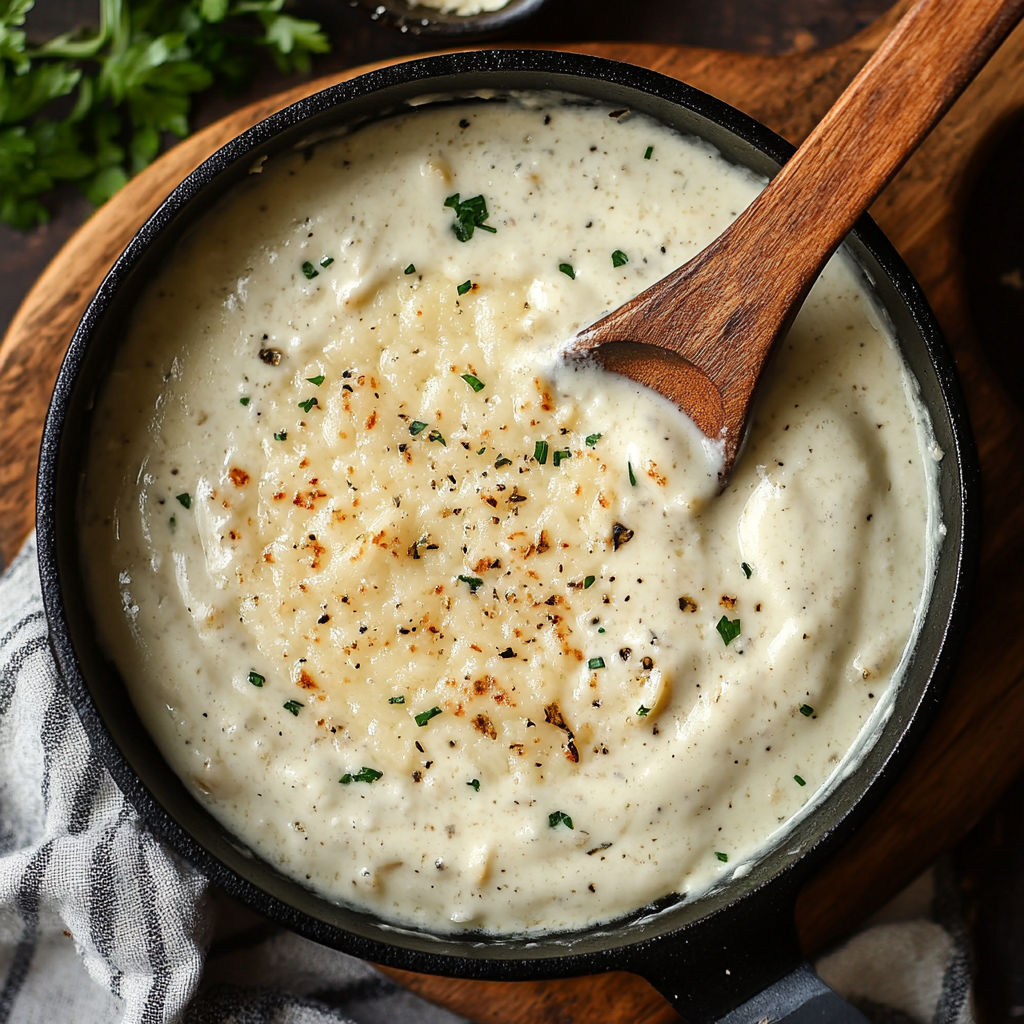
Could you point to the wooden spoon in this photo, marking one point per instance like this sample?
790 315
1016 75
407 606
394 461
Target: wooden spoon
702 335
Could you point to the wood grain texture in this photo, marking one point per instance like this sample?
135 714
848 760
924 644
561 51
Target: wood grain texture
973 751
703 334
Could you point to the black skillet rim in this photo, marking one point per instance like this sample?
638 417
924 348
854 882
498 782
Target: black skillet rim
602 947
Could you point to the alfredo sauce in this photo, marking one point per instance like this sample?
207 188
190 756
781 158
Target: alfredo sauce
453 632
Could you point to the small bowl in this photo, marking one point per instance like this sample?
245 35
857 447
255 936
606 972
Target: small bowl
418 20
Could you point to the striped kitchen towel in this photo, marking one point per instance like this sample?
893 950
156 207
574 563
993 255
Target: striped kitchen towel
100 922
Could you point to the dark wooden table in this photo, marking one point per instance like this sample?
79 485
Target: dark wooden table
990 862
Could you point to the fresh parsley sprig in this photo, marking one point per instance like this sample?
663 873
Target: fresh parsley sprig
124 88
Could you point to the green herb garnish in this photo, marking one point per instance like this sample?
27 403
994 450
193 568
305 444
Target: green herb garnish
469 216
632 475
326 261
642 712
619 258
592 439
595 663
475 783
558 456
436 435
310 271
480 451
475 583
474 382
417 427
723 857
317 380
728 629
464 287
293 706
806 710
256 679
647 154
308 404
540 451
425 716
172 522
567 269
363 775
185 499
244 400
501 461
281 436
589 582
411 269
400 699
747 571
128 88
556 818
799 781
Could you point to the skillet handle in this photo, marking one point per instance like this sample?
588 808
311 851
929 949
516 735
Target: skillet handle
801 997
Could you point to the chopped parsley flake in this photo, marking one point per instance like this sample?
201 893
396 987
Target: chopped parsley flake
308 404
244 400
317 380
172 522
256 679
589 582
632 475
474 382
411 269
469 216
557 457
567 269
556 818
649 151
747 571
806 710
293 706
363 775
417 427
642 712
728 629
619 258
326 261
475 583
464 287
185 500
540 452
502 461
425 716
592 439
799 781
723 857
475 783
436 435
480 451
400 699
310 271
282 436
595 663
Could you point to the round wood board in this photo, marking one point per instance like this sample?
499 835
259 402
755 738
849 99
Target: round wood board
973 751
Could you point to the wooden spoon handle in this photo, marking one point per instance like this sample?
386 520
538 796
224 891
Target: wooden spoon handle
724 311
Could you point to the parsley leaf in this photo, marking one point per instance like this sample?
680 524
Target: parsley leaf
185 500
592 439
464 287
411 269
474 382
728 629
469 216
556 818
400 699
475 783
723 857
293 706
425 716
588 582
475 583
595 663
806 710
256 679
417 427
747 571
619 258
567 269
363 775
648 152
540 451
310 271
317 380
308 404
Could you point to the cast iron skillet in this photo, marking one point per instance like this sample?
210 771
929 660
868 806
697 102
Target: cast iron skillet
707 955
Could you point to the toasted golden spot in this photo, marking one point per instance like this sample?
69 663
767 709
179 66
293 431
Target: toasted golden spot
239 477
728 603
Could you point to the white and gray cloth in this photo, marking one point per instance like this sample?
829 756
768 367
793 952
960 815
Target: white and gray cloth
100 922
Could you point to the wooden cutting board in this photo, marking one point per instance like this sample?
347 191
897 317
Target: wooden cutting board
975 748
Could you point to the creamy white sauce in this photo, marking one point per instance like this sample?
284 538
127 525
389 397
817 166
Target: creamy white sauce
399 546
463 7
